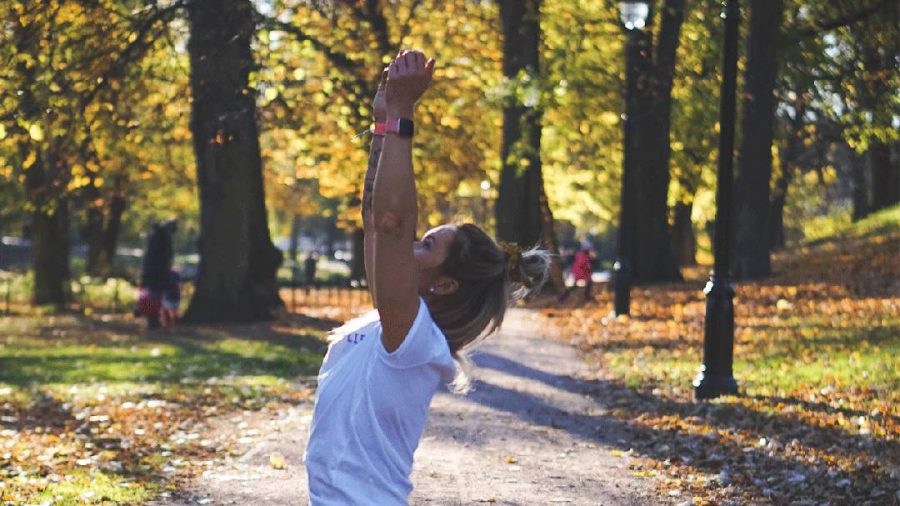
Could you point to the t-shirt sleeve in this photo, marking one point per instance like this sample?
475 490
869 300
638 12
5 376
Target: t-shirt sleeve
423 343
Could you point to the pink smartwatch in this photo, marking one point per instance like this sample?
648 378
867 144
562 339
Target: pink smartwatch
402 127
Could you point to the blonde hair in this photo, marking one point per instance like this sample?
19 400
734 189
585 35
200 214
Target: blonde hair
489 280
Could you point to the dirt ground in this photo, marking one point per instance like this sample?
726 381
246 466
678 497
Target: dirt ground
533 431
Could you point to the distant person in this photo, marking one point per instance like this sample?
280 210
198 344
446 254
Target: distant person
582 271
156 272
171 300
309 269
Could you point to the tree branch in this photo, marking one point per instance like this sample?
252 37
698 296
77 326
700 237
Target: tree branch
135 49
405 29
819 27
340 60
375 16
352 67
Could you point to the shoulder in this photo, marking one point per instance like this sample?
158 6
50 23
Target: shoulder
423 344
361 323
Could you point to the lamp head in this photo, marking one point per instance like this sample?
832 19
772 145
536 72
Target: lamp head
633 13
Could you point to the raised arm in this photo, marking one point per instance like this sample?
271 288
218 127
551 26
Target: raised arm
379 112
394 207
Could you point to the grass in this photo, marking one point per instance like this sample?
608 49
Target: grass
86 294
839 226
64 357
90 405
815 359
79 487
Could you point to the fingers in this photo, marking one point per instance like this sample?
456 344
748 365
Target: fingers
408 62
394 70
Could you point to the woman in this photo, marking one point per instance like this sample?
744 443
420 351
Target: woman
433 297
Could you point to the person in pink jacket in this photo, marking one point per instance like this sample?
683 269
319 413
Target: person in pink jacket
581 271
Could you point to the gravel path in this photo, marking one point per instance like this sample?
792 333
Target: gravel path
527 435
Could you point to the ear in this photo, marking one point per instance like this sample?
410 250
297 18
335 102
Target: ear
445 285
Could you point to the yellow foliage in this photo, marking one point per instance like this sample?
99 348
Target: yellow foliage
36 132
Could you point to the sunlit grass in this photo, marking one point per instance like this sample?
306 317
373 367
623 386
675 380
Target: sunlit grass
80 395
780 361
815 349
79 488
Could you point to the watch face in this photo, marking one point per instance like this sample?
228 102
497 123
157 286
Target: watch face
404 127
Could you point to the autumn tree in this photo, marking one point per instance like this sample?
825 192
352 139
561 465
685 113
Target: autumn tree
518 210
867 63
68 61
320 69
654 261
757 123
238 262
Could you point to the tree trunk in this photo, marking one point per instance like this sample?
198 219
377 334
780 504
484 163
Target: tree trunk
684 244
358 262
111 233
655 261
49 229
518 209
238 262
102 236
94 237
752 189
776 211
860 185
789 159
885 176
50 250
551 243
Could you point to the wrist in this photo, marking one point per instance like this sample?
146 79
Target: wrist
401 111
401 126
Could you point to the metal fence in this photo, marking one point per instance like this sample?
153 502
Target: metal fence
353 299
116 295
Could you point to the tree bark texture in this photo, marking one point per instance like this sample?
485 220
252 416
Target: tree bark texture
103 224
655 261
684 243
50 250
94 237
788 163
43 180
859 184
751 253
358 262
885 174
551 243
238 262
518 209
112 230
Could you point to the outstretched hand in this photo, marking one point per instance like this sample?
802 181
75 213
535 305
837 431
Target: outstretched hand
409 76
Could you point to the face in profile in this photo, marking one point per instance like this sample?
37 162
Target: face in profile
431 251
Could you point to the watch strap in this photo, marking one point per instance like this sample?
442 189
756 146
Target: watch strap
402 127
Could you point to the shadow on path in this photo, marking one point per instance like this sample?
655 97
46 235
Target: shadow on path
655 427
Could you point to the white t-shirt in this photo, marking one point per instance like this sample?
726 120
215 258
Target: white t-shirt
371 409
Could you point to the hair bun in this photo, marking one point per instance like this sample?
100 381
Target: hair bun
512 253
529 269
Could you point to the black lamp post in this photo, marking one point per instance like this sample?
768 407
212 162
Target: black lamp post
716 377
485 195
634 15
